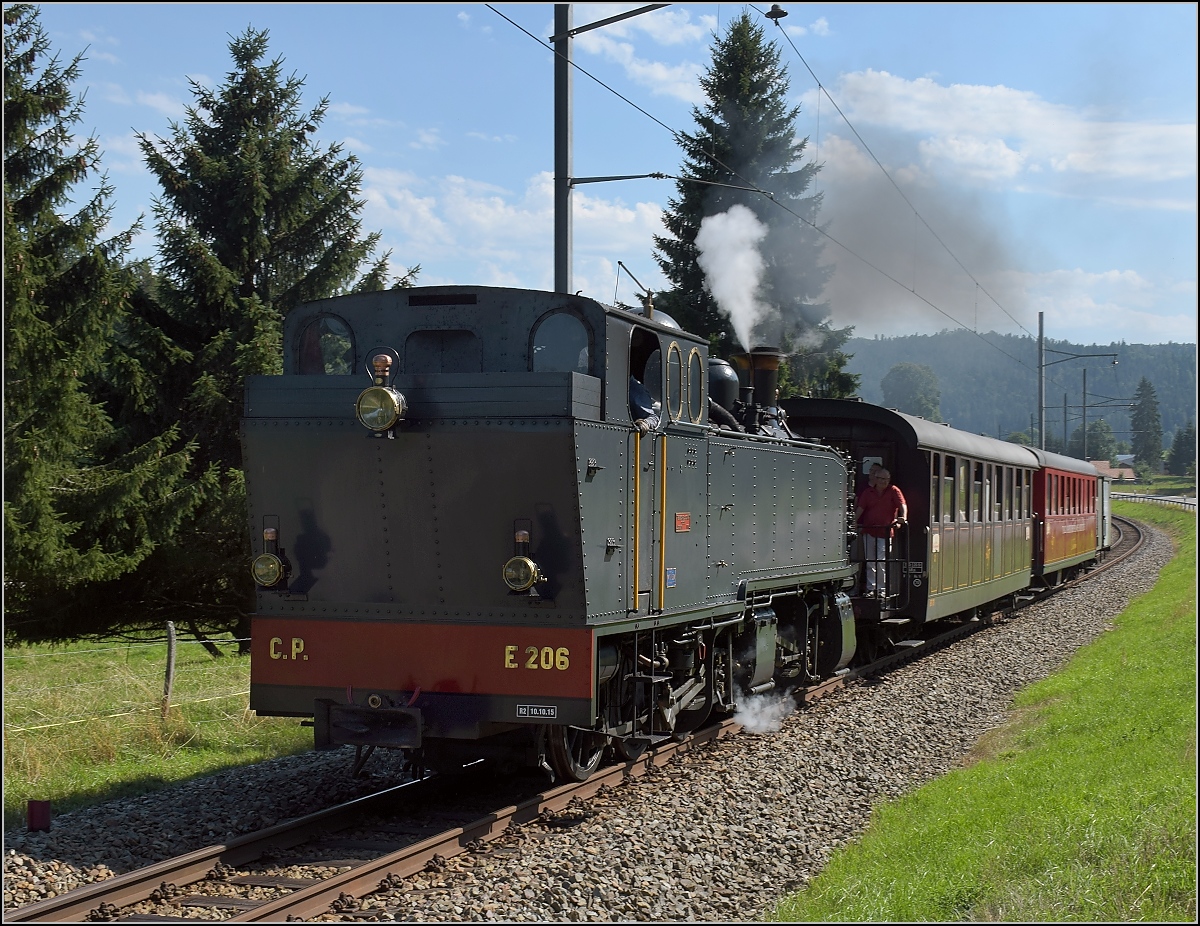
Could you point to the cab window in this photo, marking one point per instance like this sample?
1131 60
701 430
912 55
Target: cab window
561 344
326 347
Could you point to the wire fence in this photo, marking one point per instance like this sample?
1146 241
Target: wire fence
1166 501
72 687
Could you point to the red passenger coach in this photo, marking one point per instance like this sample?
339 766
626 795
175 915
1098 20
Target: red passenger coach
1067 512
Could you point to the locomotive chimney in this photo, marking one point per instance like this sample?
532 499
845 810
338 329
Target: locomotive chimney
758 373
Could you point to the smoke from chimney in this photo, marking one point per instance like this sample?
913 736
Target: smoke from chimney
727 246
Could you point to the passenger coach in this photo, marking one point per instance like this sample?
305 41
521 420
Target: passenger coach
1068 504
969 539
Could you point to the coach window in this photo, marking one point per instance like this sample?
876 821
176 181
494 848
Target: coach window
948 466
561 344
326 347
935 487
964 488
977 495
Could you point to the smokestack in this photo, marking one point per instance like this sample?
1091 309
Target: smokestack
758 374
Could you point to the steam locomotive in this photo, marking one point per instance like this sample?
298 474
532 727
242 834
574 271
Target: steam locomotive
464 548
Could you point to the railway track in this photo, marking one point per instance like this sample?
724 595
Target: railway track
375 842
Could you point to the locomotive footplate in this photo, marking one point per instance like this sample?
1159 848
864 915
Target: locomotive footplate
348 724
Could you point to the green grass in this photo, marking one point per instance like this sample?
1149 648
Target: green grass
83 722
1082 808
1160 485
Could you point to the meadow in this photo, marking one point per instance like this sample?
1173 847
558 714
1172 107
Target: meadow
83 722
1081 808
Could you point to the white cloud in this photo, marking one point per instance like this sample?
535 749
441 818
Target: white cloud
980 158
502 237
347 110
160 102
428 139
818 27
482 136
114 93
995 131
670 26
680 81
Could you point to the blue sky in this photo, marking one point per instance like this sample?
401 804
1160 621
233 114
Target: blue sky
1047 152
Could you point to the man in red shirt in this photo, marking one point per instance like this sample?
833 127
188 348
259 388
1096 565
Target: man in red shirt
881 510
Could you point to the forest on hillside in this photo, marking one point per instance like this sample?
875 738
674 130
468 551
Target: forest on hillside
989 381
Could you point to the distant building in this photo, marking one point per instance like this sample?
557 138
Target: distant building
1125 459
1120 473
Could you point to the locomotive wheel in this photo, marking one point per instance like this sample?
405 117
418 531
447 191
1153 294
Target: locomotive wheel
574 754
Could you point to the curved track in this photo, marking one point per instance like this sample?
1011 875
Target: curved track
372 842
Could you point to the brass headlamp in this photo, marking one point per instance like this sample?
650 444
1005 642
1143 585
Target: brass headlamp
380 406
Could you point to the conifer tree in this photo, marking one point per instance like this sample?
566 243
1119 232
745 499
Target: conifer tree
745 143
1147 427
1183 450
254 218
81 502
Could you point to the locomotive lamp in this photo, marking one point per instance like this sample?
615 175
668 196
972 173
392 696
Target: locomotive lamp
521 573
380 406
268 569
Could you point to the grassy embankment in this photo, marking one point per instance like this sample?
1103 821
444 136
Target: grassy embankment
1160 485
121 745
1082 808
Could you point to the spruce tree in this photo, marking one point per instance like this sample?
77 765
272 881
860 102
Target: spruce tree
1147 427
254 218
82 503
745 143
1183 450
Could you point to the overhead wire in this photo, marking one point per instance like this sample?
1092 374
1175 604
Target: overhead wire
750 185
823 90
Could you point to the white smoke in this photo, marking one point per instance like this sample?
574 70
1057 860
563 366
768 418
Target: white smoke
733 268
765 713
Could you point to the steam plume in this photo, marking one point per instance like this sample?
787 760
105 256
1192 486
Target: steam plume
765 713
727 246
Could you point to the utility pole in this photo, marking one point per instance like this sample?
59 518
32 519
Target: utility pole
1041 357
1066 437
1042 364
1085 413
564 84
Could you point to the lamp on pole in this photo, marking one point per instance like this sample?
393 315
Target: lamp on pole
1042 364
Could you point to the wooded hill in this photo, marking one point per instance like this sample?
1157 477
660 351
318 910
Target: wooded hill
989 381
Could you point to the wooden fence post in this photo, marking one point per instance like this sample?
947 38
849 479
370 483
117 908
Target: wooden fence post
170 679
